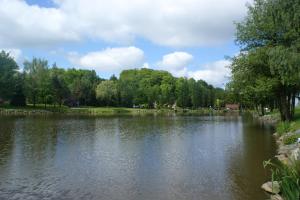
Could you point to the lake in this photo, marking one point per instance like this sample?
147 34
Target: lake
134 157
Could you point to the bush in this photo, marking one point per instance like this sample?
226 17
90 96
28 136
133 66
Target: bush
18 98
282 128
291 139
288 177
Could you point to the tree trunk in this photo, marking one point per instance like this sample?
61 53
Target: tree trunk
285 106
256 109
34 101
262 109
293 101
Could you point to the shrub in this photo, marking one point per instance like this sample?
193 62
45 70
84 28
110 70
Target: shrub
288 177
282 128
291 139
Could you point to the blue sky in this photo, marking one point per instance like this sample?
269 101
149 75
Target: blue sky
185 37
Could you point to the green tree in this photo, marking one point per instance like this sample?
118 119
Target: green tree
195 93
37 80
8 72
271 31
182 93
18 97
82 86
60 90
167 89
107 91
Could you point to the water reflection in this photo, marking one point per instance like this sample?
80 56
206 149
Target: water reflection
151 157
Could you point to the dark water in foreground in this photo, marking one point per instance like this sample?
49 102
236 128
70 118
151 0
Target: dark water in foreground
135 158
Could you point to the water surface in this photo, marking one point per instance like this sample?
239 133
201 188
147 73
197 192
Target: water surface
134 158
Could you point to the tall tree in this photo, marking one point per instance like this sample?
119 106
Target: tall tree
272 29
18 97
182 92
107 92
8 72
60 90
37 80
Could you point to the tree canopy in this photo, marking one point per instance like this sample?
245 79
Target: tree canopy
267 71
40 83
8 72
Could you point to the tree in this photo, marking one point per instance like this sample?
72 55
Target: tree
36 80
182 92
18 97
82 86
8 71
271 32
60 90
167 89
195 93
107 92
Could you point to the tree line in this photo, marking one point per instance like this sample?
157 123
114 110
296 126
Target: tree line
266 73
38 83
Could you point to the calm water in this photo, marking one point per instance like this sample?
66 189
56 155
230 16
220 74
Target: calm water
135 158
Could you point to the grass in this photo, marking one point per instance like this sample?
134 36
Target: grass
94 111
107 110
135 111
291 139
38 107
288 177
285 127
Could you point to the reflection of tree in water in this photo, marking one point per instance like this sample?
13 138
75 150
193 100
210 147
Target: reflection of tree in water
37 138
7 127
47 135
246 162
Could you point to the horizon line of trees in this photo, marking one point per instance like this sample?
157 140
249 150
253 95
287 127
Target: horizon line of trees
38 83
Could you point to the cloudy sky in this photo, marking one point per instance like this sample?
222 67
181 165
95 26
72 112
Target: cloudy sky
186 37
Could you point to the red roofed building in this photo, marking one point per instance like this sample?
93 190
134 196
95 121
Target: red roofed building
232 106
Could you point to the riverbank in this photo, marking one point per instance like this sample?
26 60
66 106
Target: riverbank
285 183
100 111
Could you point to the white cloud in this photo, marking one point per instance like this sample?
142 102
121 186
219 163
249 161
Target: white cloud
164 22
146 65
110 59
175 61
215 73
24 25
14 53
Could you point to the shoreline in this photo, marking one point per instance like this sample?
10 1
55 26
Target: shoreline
286 154
103 111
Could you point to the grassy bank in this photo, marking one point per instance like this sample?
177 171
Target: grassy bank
286 173
98 111
289 131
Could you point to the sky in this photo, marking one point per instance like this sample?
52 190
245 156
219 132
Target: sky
189 38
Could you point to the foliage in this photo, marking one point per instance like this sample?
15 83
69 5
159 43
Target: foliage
282 128
107 91
149 87
145 88
37 80
288 177
291 139
182 93
267 70
18 97
8 71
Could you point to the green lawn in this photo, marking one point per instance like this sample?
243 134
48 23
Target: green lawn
105 110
